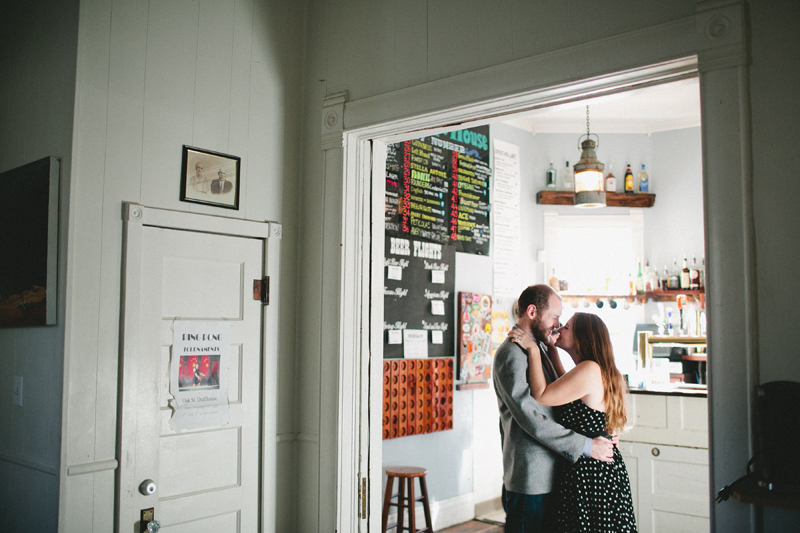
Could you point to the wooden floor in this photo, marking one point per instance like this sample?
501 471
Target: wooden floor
473 526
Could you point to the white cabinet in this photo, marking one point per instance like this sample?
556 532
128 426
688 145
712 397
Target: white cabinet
666 453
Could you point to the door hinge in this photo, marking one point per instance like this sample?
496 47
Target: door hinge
362 496
261 290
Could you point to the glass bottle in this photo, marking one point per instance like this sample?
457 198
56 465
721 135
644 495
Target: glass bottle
702 277
611 181
551 177
629 180
568 185
640 280
674 277
686 278
644 181
694 275
663 281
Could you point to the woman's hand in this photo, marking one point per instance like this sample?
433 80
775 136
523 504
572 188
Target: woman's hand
520 337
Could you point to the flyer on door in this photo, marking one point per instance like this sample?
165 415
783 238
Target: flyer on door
199 373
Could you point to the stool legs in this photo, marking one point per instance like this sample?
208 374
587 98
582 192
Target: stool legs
406 502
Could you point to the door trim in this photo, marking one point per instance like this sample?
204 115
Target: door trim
135 218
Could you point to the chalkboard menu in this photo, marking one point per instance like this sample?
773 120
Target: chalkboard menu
437 189
419 280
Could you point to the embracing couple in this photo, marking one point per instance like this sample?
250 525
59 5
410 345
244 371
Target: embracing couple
562 469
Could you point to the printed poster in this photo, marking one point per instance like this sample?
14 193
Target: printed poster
475 334
199 374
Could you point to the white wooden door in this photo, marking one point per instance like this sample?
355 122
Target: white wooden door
207 479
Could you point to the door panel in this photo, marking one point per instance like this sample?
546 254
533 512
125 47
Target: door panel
207 478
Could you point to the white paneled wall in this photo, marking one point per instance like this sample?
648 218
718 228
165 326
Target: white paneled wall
151 77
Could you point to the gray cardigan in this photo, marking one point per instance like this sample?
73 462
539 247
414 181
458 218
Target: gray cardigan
532 440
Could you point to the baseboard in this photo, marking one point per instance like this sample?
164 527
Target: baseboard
488 507
445 513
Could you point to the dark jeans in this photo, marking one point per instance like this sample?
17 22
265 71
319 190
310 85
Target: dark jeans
528 513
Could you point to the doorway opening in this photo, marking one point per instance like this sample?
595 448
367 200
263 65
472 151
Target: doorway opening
364 161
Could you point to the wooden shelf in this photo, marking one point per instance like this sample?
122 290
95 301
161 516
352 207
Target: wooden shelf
613 199
657 296
669 296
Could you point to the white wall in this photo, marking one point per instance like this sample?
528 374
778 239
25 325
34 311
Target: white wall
152 76
36 111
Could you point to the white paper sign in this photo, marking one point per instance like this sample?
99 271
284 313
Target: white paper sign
395 272
437 276
437 307
415 344
395 336
199 374
437 337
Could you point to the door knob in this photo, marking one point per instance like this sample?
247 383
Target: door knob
153 526
148 522
147 487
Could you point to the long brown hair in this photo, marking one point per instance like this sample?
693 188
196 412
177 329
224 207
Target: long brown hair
594 344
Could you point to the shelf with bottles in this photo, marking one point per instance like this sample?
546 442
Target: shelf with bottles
613 199
691 295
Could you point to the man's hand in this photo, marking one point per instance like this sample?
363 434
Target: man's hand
603 449
552 338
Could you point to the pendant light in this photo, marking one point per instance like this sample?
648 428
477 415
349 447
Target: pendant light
589 173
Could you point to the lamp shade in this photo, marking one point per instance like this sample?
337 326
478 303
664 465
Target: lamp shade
589 177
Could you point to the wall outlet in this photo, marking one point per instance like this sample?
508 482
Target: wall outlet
18 391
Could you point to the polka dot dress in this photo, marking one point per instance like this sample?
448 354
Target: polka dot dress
593 496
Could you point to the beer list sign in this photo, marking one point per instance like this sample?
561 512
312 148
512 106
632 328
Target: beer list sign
437 189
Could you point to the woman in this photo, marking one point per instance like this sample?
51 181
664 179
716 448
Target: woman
592 495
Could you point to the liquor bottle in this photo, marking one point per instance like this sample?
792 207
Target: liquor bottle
568 186
640 280
674 277
554 281
702 276
663 281
629 180
551 177
694 275
644 181
611 181
686 278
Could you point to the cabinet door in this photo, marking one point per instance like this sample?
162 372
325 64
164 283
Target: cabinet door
671 487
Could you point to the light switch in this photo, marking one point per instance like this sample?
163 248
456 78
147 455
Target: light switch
17 391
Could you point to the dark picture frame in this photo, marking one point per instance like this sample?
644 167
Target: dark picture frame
210 178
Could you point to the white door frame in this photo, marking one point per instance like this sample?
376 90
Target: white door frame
711 43
135 218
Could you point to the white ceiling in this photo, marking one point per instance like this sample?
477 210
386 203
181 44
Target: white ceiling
669 106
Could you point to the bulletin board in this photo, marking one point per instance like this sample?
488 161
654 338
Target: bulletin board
475 337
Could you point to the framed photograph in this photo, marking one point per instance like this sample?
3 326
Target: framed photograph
210 178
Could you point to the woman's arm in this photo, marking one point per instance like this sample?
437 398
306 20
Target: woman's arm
552 352
572 386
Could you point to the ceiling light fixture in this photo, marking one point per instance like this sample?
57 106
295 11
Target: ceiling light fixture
589 173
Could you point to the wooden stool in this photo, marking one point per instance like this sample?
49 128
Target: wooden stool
405 476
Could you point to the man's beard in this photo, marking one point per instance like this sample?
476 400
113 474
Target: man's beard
540 331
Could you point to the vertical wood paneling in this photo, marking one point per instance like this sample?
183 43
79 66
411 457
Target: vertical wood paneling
169 96
410 42
240 91
84 262
123 151
213 74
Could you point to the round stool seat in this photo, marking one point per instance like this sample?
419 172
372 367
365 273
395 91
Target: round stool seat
406 471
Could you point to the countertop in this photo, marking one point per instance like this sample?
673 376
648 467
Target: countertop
673 389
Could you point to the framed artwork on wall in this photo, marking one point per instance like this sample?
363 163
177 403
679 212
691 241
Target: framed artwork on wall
210 178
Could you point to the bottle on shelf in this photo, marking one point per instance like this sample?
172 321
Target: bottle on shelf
611 181
702 277
640 280
629 180
674 277
694 275
651 278
567 179
663 280
551 177
554 281
686 278
644 181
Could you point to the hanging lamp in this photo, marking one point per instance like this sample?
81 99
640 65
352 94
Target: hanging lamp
589 173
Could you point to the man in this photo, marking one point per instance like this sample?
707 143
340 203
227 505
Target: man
532 441
221 185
